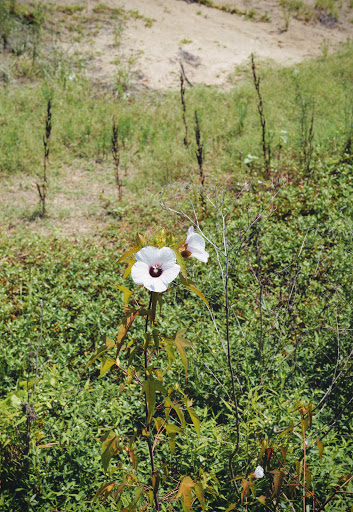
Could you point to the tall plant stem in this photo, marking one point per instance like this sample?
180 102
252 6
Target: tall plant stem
200 158
260 107
148 431
115 149
259 282
234 396
304 461
42 188
183 104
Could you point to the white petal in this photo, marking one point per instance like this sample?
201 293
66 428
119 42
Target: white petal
259 472
156 284
200 255
190 232
196 242
170 274
167 257
140 272
148 255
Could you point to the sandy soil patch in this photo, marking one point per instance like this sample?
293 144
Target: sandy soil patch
209 42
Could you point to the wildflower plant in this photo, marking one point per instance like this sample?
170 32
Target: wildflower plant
136 355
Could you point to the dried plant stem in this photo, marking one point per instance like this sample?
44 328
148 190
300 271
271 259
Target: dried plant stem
265 147
200 157
42 187
115 148
183 104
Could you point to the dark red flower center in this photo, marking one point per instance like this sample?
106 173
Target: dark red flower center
155 271
184 251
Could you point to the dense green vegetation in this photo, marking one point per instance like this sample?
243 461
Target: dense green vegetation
288 304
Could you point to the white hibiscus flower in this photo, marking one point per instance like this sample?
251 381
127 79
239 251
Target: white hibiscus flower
259 472
194 246
155 268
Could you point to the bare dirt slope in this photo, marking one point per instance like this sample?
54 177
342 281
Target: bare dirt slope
210 42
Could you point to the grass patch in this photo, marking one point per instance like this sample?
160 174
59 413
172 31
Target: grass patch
70 9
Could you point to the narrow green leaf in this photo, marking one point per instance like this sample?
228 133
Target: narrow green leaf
127 293
137 497
180 260
200 495
128 253
180 414
298 466
180 343
173 429
110 447
231 507
155 482
170 352
171 438
262 500
155 338
320 447
128 268
288 429
158 422
132 355
106 364
119 490
190 285
140 239
105 489
150 387
108 343
124 328
195 419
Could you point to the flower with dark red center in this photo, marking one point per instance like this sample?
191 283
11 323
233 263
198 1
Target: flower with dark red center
155 268
194 246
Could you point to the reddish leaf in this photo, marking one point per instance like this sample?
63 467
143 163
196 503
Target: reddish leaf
277 481
284 453
245 484
185 491
320 447
124 329
104 491
200 495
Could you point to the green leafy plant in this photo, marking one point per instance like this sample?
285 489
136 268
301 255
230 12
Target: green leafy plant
155 269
